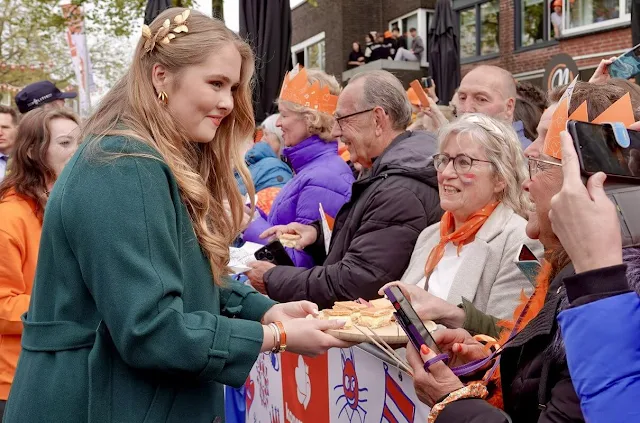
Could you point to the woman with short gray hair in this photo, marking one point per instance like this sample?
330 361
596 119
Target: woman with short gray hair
470 256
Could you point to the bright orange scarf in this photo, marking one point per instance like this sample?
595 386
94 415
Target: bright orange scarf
463 235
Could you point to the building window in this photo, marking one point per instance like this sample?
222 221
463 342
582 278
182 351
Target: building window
585 15
480 29
310 53
419 19
534 22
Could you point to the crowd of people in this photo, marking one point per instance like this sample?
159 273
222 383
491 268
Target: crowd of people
116 299
387 45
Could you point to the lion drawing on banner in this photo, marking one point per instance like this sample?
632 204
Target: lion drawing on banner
352 393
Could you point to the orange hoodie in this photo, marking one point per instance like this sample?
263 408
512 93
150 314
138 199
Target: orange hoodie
20 230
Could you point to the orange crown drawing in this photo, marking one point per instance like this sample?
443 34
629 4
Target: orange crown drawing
296 89
620 111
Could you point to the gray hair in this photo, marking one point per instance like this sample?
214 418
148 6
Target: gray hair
269 125
502 147
381 88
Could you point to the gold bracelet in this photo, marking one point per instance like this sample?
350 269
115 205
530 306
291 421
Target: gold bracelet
276 337
472 390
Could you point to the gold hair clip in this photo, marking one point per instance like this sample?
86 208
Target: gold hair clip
165 34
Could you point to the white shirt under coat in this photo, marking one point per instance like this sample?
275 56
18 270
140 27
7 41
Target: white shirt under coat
486 272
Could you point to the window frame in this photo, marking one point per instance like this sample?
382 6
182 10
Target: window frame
425 17
546 22
304 45
463 5
623 19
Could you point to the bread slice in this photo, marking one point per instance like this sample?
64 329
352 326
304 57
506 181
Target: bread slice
374 318
343 314
381 304
289 240
349 305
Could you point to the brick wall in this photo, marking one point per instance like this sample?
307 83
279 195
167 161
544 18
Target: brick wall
392 9
536 59
308 21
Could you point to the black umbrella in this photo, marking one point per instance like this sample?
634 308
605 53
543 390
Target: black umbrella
268 28
444 51
154 8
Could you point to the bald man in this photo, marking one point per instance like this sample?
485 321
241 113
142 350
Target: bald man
492 91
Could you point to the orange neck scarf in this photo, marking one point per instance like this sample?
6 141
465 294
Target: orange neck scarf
463 235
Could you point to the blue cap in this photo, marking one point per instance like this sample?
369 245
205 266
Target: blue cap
36 94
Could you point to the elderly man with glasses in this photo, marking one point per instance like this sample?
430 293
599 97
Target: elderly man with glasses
375 232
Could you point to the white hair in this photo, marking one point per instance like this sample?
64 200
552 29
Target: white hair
502 148
269 125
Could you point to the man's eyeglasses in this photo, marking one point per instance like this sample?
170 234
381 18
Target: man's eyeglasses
339 118
535 166
461 163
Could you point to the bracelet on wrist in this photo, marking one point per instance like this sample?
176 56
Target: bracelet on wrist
282 341
473 390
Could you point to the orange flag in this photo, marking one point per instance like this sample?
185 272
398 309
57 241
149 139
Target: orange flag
330 221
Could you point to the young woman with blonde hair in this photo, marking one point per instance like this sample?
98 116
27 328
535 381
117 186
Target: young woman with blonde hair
132 318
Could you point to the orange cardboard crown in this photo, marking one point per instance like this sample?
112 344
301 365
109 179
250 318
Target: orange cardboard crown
296 89
620 111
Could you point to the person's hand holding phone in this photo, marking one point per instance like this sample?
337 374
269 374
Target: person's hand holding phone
435 382
583 218
601 75
428 306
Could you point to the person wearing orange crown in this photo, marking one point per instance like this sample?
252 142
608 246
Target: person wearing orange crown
307 101
532 382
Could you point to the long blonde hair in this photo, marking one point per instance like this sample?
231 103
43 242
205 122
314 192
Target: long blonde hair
318 123
204 172
502 147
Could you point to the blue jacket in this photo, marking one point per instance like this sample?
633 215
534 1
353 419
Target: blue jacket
267 170
321 177
600 332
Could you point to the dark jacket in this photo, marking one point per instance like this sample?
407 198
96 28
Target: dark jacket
534 371
125 322
374 233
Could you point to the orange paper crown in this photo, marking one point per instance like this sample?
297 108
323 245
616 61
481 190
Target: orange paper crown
620 111
296 89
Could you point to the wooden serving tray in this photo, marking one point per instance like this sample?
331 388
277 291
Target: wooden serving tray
392 334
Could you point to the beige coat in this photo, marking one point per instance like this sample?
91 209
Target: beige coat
488 277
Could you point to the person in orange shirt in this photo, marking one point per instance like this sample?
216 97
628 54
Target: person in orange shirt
44 144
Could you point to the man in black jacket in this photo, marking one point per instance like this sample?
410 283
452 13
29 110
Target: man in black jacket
375 232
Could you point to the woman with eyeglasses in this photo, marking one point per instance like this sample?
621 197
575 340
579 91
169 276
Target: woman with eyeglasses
321 176
469 258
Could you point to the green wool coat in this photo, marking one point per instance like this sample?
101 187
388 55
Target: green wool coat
125 322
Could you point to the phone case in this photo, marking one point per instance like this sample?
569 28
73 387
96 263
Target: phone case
274 253
403 312
571 127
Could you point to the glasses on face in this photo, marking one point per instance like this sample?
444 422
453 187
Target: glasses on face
538 165
461 163
340 118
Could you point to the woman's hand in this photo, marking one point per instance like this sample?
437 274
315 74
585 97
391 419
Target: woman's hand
287 311
434 383
308 234
307 337
460 346
430 307
256 274
601 75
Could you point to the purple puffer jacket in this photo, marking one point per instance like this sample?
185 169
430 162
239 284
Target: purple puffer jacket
321 176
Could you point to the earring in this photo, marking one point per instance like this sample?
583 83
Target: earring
163 98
